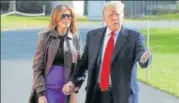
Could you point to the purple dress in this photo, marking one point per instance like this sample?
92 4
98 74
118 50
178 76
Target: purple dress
54 84
56 77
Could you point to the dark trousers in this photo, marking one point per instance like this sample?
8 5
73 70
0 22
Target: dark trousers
103 97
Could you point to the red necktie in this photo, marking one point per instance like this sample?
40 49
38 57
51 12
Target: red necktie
104 76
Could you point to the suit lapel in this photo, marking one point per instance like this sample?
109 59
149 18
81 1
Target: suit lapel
121 39
98 41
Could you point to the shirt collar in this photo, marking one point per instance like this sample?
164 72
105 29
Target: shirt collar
108 31
70 35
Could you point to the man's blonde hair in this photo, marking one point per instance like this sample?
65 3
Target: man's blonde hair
114 4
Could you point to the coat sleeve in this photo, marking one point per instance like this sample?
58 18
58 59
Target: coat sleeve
139 50
79 73
79 47
39 67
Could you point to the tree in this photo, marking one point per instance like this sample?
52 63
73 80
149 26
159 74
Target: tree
4 6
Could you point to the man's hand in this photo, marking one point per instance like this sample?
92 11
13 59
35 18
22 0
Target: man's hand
69 88
145 56
42 99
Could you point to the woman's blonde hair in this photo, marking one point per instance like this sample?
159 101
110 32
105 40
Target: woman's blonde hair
56 16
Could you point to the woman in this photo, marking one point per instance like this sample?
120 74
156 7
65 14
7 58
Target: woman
55 58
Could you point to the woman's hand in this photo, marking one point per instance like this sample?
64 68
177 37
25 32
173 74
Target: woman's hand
42 99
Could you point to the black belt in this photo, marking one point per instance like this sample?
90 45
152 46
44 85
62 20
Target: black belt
109 89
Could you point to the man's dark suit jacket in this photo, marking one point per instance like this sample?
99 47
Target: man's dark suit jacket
129 48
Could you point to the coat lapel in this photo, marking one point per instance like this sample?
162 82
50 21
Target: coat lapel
98 39
97 42
53 47
121 39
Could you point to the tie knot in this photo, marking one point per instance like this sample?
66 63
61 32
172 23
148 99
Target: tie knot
112 33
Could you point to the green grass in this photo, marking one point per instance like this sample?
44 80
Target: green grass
16 22
19 22
164 70
159 17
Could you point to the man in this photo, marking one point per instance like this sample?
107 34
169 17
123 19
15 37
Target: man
110 54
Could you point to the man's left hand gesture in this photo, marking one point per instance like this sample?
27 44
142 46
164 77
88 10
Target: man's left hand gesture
145 56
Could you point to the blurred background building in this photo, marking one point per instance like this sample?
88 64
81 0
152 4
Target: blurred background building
93 9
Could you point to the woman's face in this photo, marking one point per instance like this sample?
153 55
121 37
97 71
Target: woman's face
65 19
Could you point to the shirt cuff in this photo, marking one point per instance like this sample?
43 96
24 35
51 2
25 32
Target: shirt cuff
41 93
144 61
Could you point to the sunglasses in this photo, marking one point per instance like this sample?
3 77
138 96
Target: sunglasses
66 15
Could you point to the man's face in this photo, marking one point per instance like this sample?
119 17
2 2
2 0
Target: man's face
113 17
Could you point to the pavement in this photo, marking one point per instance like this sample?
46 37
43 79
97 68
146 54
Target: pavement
17 50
